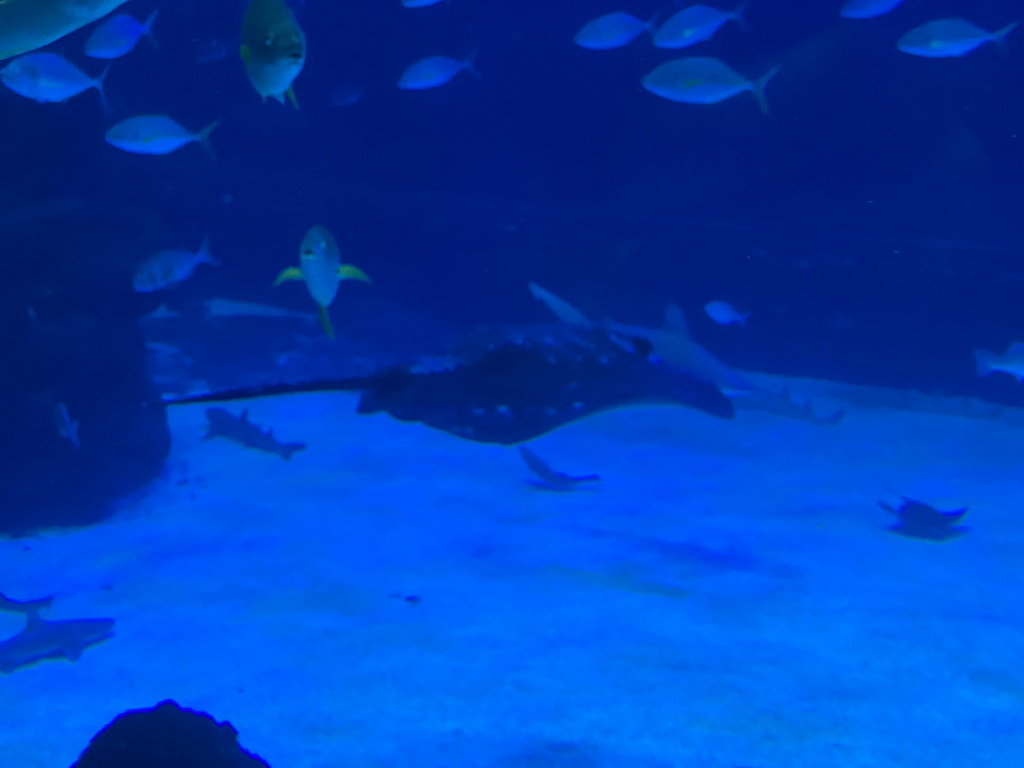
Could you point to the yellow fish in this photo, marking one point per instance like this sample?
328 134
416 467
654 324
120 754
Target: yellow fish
321 269
26 25
273 49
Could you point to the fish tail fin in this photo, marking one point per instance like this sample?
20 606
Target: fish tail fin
983 362
147 30
739 14
999 37
352 272
99 85
290 93
203 137
206 254
292 273
469 64
758 88
325 321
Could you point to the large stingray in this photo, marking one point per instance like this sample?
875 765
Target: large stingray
508 386
29 24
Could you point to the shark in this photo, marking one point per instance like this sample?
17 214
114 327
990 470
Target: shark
238 429
42 639
508 385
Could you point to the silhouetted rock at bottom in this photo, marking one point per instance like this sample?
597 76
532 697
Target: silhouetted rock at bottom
167 736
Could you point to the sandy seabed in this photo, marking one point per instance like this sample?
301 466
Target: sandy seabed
728 596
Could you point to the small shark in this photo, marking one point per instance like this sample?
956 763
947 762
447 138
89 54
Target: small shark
509 385
42 639
232 308
238 429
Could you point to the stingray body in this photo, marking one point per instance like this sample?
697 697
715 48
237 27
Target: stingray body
507 386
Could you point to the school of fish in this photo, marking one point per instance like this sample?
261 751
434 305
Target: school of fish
273 54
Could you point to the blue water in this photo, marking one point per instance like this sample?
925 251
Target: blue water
869 224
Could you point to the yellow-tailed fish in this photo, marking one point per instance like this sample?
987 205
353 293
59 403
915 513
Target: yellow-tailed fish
26 25
321 269
273 49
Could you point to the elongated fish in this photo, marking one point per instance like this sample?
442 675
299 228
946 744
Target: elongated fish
320 268
273 49
26 25
510 385
42 639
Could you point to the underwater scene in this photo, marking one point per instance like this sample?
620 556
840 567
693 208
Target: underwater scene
512 384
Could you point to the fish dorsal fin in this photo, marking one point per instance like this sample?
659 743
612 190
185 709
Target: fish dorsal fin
675 321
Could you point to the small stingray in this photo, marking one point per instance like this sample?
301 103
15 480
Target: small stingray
918 520
550 479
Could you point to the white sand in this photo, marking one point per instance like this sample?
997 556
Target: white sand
728 596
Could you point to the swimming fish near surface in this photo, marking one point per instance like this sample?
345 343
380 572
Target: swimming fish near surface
613 30
157 135
26 25
118 35
320 268
704 80
42 639
49 78
944 38
238 429
694 24
273 49
510 385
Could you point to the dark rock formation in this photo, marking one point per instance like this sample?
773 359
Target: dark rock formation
167 736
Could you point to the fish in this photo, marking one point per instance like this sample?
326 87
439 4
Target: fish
694 24
48 78
944 38
435 71
508 385
419 3
238 429
918 520
613 30
157 135
163 312
119 35
868 9
549 478
320 268
166 268
346 95
273 49
27 25
1011 361
10 605
704 80
724 313
232 308
66 428
42 639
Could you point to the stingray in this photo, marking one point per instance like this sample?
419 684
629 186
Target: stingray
510 385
